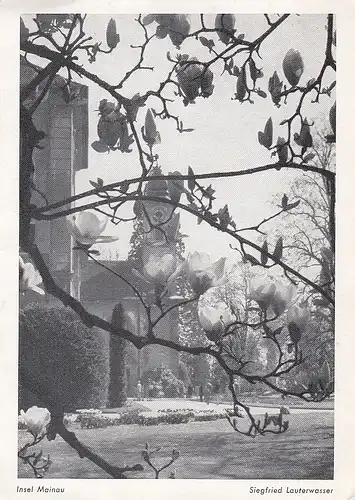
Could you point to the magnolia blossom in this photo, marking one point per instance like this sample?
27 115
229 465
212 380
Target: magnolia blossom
86 228
283 298
29 278
299 316
285 410
293 66
149 131
214 320
161 269
177 26
275 295
262 293
224 22
192 77
36 419
202 273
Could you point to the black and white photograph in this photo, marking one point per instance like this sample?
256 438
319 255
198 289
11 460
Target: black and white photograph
177 240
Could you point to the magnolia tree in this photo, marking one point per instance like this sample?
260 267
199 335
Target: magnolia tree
60 48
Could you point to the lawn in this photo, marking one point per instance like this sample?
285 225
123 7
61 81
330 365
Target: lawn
208 450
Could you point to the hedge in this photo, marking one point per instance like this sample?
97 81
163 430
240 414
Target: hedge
100 421
64 357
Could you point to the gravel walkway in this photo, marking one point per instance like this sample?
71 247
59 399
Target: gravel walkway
156 405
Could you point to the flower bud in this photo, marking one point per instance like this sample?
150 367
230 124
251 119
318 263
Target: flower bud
293 66
275 88
150 133
285 410
241 85
175 187
299 315
282 150
224 22
189 78
109 128
112 37
179 28
206 83
175 454
266 137
106 107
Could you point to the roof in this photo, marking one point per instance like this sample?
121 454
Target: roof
102 285
157 187
28 71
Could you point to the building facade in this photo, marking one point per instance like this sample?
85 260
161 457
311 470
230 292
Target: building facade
64 152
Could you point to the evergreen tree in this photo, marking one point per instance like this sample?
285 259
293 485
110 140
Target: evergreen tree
118 385
134 255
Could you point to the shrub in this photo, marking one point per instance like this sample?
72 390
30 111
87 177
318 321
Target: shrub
163 377
131 417
206 417
63 357
99 421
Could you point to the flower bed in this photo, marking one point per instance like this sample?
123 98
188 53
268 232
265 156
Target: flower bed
178 416
95 419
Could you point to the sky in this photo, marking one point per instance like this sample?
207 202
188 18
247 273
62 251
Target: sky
225 131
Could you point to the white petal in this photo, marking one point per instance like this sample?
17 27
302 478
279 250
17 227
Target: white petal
218 267
88 224
106 239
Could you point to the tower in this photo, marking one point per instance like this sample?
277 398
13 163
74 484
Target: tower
65 151
160 223
160 237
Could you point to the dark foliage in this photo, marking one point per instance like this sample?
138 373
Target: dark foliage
63 356
118 382
163 379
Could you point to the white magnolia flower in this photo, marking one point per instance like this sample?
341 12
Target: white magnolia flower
299 315
284 296
202 273
29 278
36 419
215 320
272 294
161 269
285 410
86 228
293 66
262 293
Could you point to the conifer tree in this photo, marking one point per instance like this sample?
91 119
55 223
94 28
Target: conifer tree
118 384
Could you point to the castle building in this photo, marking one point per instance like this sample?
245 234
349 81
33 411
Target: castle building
65 152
